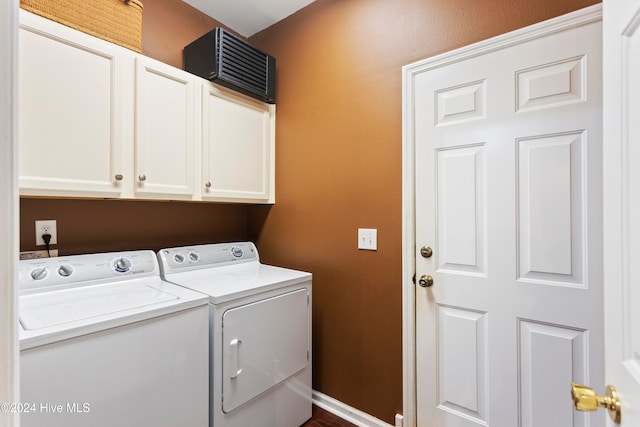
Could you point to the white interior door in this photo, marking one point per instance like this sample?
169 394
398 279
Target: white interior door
508 149
622 203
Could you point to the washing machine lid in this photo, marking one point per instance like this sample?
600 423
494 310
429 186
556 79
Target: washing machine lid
67 313
231 282
44 310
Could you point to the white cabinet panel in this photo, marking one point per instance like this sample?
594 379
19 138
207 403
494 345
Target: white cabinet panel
165 130
71 96
238 147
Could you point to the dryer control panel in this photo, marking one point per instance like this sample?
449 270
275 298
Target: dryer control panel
206 256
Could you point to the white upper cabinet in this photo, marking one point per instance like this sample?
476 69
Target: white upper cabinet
71 96
165 131
237 147
98 120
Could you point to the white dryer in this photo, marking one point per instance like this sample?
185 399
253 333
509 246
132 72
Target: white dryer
260 333
105 342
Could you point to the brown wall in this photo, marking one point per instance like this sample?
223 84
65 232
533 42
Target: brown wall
338 167
86 226
170 25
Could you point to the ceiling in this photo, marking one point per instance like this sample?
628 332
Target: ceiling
248 17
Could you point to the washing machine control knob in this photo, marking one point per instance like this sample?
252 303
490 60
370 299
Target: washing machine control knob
237 252
193 256
122 265
39 273
178 258
65 270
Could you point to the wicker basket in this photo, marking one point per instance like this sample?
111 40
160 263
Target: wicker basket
118 21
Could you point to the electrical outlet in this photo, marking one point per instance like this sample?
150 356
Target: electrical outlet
46 227
368 239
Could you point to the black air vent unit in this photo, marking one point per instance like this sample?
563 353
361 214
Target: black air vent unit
232 62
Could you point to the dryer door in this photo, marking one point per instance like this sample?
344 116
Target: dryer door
265 342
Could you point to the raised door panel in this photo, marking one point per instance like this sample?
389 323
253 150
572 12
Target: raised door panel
238 147
462 234
463 365
551 173
70 111
165 131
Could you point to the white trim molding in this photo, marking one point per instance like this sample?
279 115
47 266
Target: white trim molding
346 412
409 73
9 348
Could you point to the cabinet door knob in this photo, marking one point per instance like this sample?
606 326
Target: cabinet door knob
142 177
208 184
119 177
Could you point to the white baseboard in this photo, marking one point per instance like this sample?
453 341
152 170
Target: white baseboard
346 412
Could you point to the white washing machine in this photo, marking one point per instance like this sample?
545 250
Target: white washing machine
104 341
260 333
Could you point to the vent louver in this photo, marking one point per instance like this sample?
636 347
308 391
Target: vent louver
230 61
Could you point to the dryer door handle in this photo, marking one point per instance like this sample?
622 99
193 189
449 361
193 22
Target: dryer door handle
234 358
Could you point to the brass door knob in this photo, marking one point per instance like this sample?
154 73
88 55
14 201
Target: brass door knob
426 252
585 399
425 281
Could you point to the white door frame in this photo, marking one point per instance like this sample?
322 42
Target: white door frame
580 17
620 181
9 350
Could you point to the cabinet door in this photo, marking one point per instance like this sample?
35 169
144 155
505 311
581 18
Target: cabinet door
165 131
70 121
238 147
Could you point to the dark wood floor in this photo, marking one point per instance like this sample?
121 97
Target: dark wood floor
322 418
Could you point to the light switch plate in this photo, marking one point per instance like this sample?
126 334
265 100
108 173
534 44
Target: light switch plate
368 239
